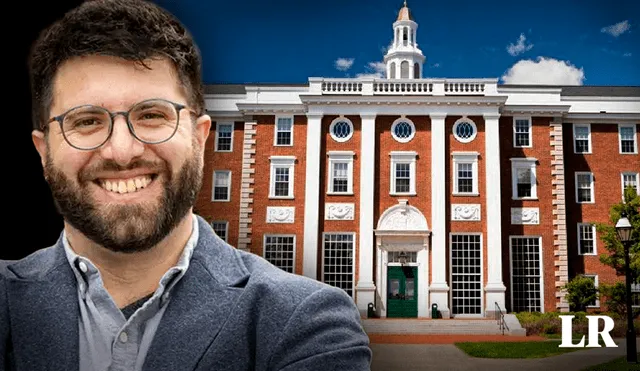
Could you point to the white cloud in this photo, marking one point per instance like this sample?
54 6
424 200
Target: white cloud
627 54
520 47
617 29
544 71
375 70
436 65
343 64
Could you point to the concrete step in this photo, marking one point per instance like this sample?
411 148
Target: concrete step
430 326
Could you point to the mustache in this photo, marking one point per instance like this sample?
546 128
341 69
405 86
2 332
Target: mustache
90 173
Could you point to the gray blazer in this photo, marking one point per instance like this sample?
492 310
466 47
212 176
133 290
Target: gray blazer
231 311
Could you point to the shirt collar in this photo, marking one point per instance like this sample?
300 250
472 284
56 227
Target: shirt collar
83 267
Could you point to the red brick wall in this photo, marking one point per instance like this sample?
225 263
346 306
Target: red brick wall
541 150
229 211
264 149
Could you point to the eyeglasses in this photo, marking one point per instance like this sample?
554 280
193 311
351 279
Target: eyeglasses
151 121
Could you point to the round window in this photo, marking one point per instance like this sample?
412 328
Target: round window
341 129
464 130
403 130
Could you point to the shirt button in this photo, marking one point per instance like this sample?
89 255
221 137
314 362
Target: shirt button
83 267
123 337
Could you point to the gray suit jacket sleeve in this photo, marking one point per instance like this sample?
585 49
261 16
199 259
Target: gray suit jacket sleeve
324 333
4 324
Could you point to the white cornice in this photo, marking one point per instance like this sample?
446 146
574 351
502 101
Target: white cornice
248 108
400 100
225 96
599 98
222 115
283 88
529 90
604 118
539 110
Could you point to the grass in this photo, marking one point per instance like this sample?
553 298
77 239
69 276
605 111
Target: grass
525 349
618 364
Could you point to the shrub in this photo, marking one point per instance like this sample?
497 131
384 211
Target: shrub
581 291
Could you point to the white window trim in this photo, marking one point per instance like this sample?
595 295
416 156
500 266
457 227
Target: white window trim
635 139
281 161
636 174
593 187
218 131
596 285
465 157
589 139
353 252
413 129
511 237
226 228
403 157
528 118
213 186
482 275
340 157
264 245
595 238
334 122
473 124
275 131
524 163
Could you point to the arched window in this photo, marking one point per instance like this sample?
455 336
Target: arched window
416 71
404 70
405 36
392 75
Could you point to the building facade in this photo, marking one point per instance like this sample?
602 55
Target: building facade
408 192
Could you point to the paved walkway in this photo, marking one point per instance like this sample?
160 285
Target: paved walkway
445 357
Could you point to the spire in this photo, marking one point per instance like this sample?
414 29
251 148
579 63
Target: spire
404 14
404 60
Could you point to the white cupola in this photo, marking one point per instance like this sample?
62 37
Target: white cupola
403 59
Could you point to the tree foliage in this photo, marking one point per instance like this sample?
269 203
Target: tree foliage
614 257
581 291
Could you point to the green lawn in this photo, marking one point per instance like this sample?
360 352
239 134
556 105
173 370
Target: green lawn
618 364
525 349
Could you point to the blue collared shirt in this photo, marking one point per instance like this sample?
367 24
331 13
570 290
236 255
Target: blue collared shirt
108 340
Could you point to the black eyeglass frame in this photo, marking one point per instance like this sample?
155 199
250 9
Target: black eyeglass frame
112 115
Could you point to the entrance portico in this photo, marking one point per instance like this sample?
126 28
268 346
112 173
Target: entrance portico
402 228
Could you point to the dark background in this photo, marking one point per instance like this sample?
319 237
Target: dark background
31 221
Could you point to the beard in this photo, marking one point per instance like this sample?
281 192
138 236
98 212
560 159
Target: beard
133 227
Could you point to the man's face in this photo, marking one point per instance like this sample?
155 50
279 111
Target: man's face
126 195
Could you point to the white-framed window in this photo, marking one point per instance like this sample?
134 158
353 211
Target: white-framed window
341 129
627 138
582 138
338 253
224 137
340 168
221 185
221 227
283 135
585 189
465 173
630 179
280 250
595 303
522 137
586 239
523 178
527 288
466 273
635 295
465 130
403 130
281 178
403 173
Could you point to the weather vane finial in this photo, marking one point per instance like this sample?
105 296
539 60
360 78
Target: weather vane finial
405 3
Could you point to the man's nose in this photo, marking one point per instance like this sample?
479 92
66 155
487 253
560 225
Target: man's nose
122 146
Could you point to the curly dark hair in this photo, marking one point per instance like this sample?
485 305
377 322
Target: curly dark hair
134 30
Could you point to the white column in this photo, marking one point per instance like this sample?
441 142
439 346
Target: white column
312 196
411 76
423 279
494 288
365 290
439 290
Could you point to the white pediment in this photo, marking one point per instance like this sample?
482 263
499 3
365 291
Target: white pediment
402 217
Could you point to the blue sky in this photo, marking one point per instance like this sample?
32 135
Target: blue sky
545 41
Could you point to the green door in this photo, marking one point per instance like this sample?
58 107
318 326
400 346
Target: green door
402 292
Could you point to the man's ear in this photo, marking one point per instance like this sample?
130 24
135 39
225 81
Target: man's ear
40 142
202 128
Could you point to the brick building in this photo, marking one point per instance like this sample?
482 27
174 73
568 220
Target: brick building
407 192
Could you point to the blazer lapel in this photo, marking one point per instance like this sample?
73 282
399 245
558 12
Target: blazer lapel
44 320
191 323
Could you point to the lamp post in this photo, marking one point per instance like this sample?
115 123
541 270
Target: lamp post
623 229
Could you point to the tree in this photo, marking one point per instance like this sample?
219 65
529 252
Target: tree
581 291
615 251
